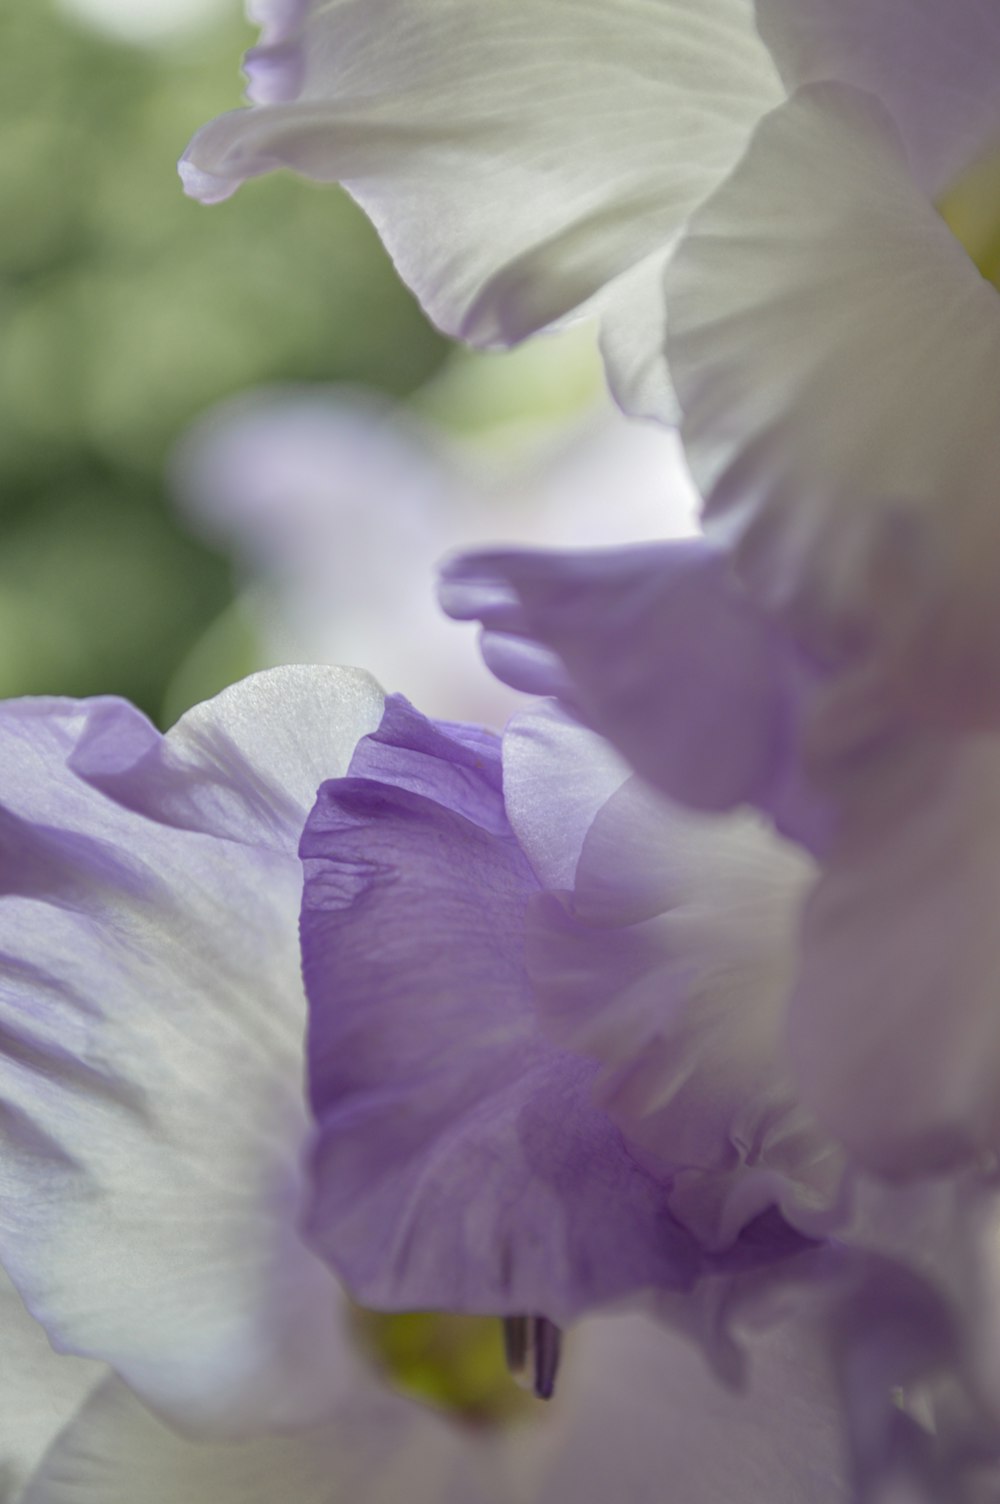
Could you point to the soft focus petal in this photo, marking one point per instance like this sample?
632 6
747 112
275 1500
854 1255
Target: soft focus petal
605 481
837 357
670 961
460 1160
379 1449
657 648
884 1333
284 474
934 65
152 1017
516 158
681 1435
39 1391
340 507
896 1030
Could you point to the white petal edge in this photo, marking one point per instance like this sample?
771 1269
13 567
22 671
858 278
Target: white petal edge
837 357
516 159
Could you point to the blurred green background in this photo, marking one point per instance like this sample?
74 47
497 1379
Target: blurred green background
127 310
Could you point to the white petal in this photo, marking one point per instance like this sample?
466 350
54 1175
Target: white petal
152 1016
837 357
516 158
895 1026
39 1391
379 1449
646 1421
934 65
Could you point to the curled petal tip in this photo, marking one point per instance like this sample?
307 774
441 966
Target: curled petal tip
204 187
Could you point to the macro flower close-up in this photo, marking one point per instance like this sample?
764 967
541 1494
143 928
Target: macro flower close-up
500 731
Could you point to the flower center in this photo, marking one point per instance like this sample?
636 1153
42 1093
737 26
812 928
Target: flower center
971 209
455 1363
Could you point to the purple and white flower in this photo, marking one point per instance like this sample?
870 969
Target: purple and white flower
480 1144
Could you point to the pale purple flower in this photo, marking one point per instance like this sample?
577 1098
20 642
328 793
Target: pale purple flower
766 175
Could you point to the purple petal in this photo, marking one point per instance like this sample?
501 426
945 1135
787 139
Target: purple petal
665 657
460 1160
839 415
275 74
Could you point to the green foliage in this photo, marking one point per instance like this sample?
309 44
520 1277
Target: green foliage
126 310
